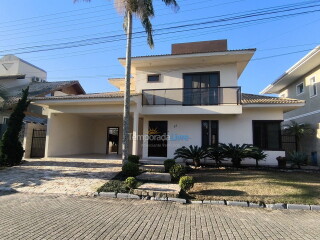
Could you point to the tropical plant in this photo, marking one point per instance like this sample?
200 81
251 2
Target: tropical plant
168 164
194 153
236 152
298 159
130 169
298 130
186 183
142 9
114 186
216 153
11 150
257 154
177 171
134 159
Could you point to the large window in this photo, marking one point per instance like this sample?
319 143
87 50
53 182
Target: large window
201 88
267 135
210 132
313 87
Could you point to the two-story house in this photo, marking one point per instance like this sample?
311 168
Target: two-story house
188 97
17 74
301 81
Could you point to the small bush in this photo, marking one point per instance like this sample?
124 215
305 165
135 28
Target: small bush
131 182
134 159
114 186
186 183
168 164
177 171
130 169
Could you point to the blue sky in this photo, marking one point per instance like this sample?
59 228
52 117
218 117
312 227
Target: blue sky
37 22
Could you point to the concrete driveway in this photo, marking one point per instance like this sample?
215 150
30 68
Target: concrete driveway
78 175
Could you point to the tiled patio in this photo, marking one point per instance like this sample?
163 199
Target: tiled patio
76 175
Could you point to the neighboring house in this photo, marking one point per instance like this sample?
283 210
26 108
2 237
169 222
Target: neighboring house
17 74
301 81
188 97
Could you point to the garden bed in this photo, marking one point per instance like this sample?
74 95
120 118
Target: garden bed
267 186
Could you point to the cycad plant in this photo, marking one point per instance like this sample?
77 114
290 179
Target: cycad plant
298 159
236 152
257 154
195 153
216 153
143 10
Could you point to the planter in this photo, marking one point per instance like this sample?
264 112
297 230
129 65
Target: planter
282 162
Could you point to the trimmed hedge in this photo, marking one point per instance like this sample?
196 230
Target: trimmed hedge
168 164
177 171
130 169
134 159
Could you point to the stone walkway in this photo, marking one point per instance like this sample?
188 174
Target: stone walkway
34 216
79 176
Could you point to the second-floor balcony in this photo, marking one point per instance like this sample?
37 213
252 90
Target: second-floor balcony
192 96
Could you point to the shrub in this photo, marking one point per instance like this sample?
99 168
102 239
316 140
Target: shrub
134 159
130 169
298 159
194 153
168 164
216 153
257 154
113 186
177 171
131 182
186 183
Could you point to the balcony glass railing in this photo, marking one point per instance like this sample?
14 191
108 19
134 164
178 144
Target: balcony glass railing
192 96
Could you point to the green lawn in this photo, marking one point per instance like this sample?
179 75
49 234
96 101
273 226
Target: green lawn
255 186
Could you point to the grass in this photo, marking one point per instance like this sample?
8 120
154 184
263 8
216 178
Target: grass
256 186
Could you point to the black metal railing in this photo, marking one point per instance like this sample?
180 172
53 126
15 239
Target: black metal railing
192 96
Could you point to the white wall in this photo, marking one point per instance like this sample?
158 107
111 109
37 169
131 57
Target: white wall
69 134
232 129
172 77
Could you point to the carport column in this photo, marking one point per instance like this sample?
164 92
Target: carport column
135 133
49 129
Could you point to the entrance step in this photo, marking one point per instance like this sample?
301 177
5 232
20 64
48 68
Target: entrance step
154 176
152 168
158 190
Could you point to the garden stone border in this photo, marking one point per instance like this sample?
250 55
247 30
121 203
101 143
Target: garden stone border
274 206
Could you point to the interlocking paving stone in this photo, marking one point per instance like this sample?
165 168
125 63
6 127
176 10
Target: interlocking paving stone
47 216
75 176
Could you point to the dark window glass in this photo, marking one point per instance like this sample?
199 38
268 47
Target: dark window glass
267 135
201 88
154 78
210 132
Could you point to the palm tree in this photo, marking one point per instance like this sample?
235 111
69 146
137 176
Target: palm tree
236 152
142 9
298 130
194 153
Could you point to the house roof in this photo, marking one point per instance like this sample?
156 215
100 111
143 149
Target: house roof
196 52
298 70
38 88
259 99
118 94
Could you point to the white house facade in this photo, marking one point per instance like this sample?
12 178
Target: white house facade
188 97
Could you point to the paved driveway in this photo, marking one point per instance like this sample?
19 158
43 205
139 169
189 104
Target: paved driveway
77 175
33 216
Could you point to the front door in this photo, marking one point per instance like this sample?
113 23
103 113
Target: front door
113 140
157 142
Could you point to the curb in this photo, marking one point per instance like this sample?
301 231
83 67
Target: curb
274 206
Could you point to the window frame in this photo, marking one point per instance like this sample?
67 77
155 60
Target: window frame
153 75
298 88
279 134
3 120
312 87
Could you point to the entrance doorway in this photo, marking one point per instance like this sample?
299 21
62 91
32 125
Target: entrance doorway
113 140
157 142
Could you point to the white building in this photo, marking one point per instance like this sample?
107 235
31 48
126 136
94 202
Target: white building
191 95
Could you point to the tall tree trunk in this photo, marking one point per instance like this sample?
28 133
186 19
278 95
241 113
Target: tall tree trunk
126 108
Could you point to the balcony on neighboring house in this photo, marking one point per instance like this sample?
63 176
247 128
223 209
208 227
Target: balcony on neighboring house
192 96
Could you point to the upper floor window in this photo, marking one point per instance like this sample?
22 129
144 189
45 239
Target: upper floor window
5 120
313 87
300 88
154 78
